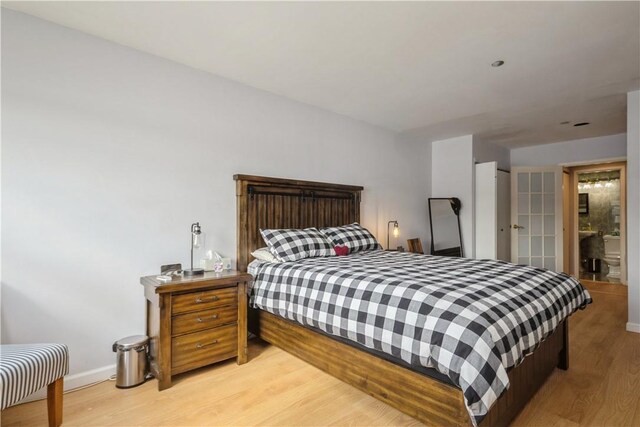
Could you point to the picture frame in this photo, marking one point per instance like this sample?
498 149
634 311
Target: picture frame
583 203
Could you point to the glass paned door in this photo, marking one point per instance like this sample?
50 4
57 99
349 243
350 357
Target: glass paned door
536 217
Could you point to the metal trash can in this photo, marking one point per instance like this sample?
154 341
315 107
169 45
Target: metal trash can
132 360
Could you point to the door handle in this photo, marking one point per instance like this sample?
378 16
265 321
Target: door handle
517 227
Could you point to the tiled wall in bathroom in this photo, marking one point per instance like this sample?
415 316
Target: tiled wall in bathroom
604 204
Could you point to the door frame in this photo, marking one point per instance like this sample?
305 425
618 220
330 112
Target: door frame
567 220
559 210
575 221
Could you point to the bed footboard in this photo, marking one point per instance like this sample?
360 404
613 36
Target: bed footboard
424 398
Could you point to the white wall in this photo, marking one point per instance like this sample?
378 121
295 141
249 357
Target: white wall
571 152
109 155
633 208
452 171
484 152
417 153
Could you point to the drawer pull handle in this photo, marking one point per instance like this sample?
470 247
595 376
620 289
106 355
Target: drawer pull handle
206 345
200 319
201 300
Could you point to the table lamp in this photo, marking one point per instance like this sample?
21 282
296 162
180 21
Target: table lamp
196 241
396 230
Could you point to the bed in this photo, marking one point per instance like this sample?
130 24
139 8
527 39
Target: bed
390 373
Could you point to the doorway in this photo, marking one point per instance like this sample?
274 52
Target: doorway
597 222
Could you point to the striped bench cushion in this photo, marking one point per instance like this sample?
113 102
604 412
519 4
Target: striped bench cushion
26 368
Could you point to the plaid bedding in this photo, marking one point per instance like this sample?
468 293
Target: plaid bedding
469 319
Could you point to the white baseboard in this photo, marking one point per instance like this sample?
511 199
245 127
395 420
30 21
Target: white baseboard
72 382
633 327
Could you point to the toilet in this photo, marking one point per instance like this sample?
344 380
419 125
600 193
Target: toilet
612 255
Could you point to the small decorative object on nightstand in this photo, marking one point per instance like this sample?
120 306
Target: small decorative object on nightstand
195 321
415 246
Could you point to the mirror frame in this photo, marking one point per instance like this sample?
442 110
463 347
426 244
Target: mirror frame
455 207
583 203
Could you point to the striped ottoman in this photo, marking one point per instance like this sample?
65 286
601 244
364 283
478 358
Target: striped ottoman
26 368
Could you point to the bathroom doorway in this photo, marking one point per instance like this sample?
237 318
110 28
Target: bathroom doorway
598 222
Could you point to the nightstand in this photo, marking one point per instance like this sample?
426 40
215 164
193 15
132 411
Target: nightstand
195 321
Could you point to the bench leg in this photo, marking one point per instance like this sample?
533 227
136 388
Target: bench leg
54 402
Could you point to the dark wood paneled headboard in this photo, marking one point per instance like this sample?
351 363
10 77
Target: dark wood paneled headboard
287 203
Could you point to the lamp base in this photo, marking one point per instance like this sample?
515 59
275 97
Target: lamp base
193 271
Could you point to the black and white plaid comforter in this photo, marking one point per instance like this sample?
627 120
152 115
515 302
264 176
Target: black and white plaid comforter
469 319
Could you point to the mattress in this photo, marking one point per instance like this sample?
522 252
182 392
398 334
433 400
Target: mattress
469 320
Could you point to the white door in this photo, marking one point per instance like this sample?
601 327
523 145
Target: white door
504 216
536 217
486 217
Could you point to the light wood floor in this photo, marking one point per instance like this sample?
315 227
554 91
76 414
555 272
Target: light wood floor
602 387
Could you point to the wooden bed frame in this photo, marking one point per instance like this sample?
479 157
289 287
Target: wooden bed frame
283 203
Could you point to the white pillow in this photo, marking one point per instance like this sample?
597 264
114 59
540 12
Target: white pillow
263 254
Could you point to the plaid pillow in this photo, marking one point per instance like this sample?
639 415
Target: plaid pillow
354 236
294 244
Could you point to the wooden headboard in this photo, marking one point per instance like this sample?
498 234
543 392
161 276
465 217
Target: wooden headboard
287 203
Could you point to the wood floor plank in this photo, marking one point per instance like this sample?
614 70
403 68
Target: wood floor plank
275 388
621 388
603 368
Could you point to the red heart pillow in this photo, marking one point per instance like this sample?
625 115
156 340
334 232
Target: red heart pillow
341 250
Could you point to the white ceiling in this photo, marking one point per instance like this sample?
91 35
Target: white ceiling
419 68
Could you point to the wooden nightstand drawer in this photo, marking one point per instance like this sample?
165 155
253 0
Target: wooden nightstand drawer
199 320
202 348
205 299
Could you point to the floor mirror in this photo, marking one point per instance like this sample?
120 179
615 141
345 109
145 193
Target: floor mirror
444 219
